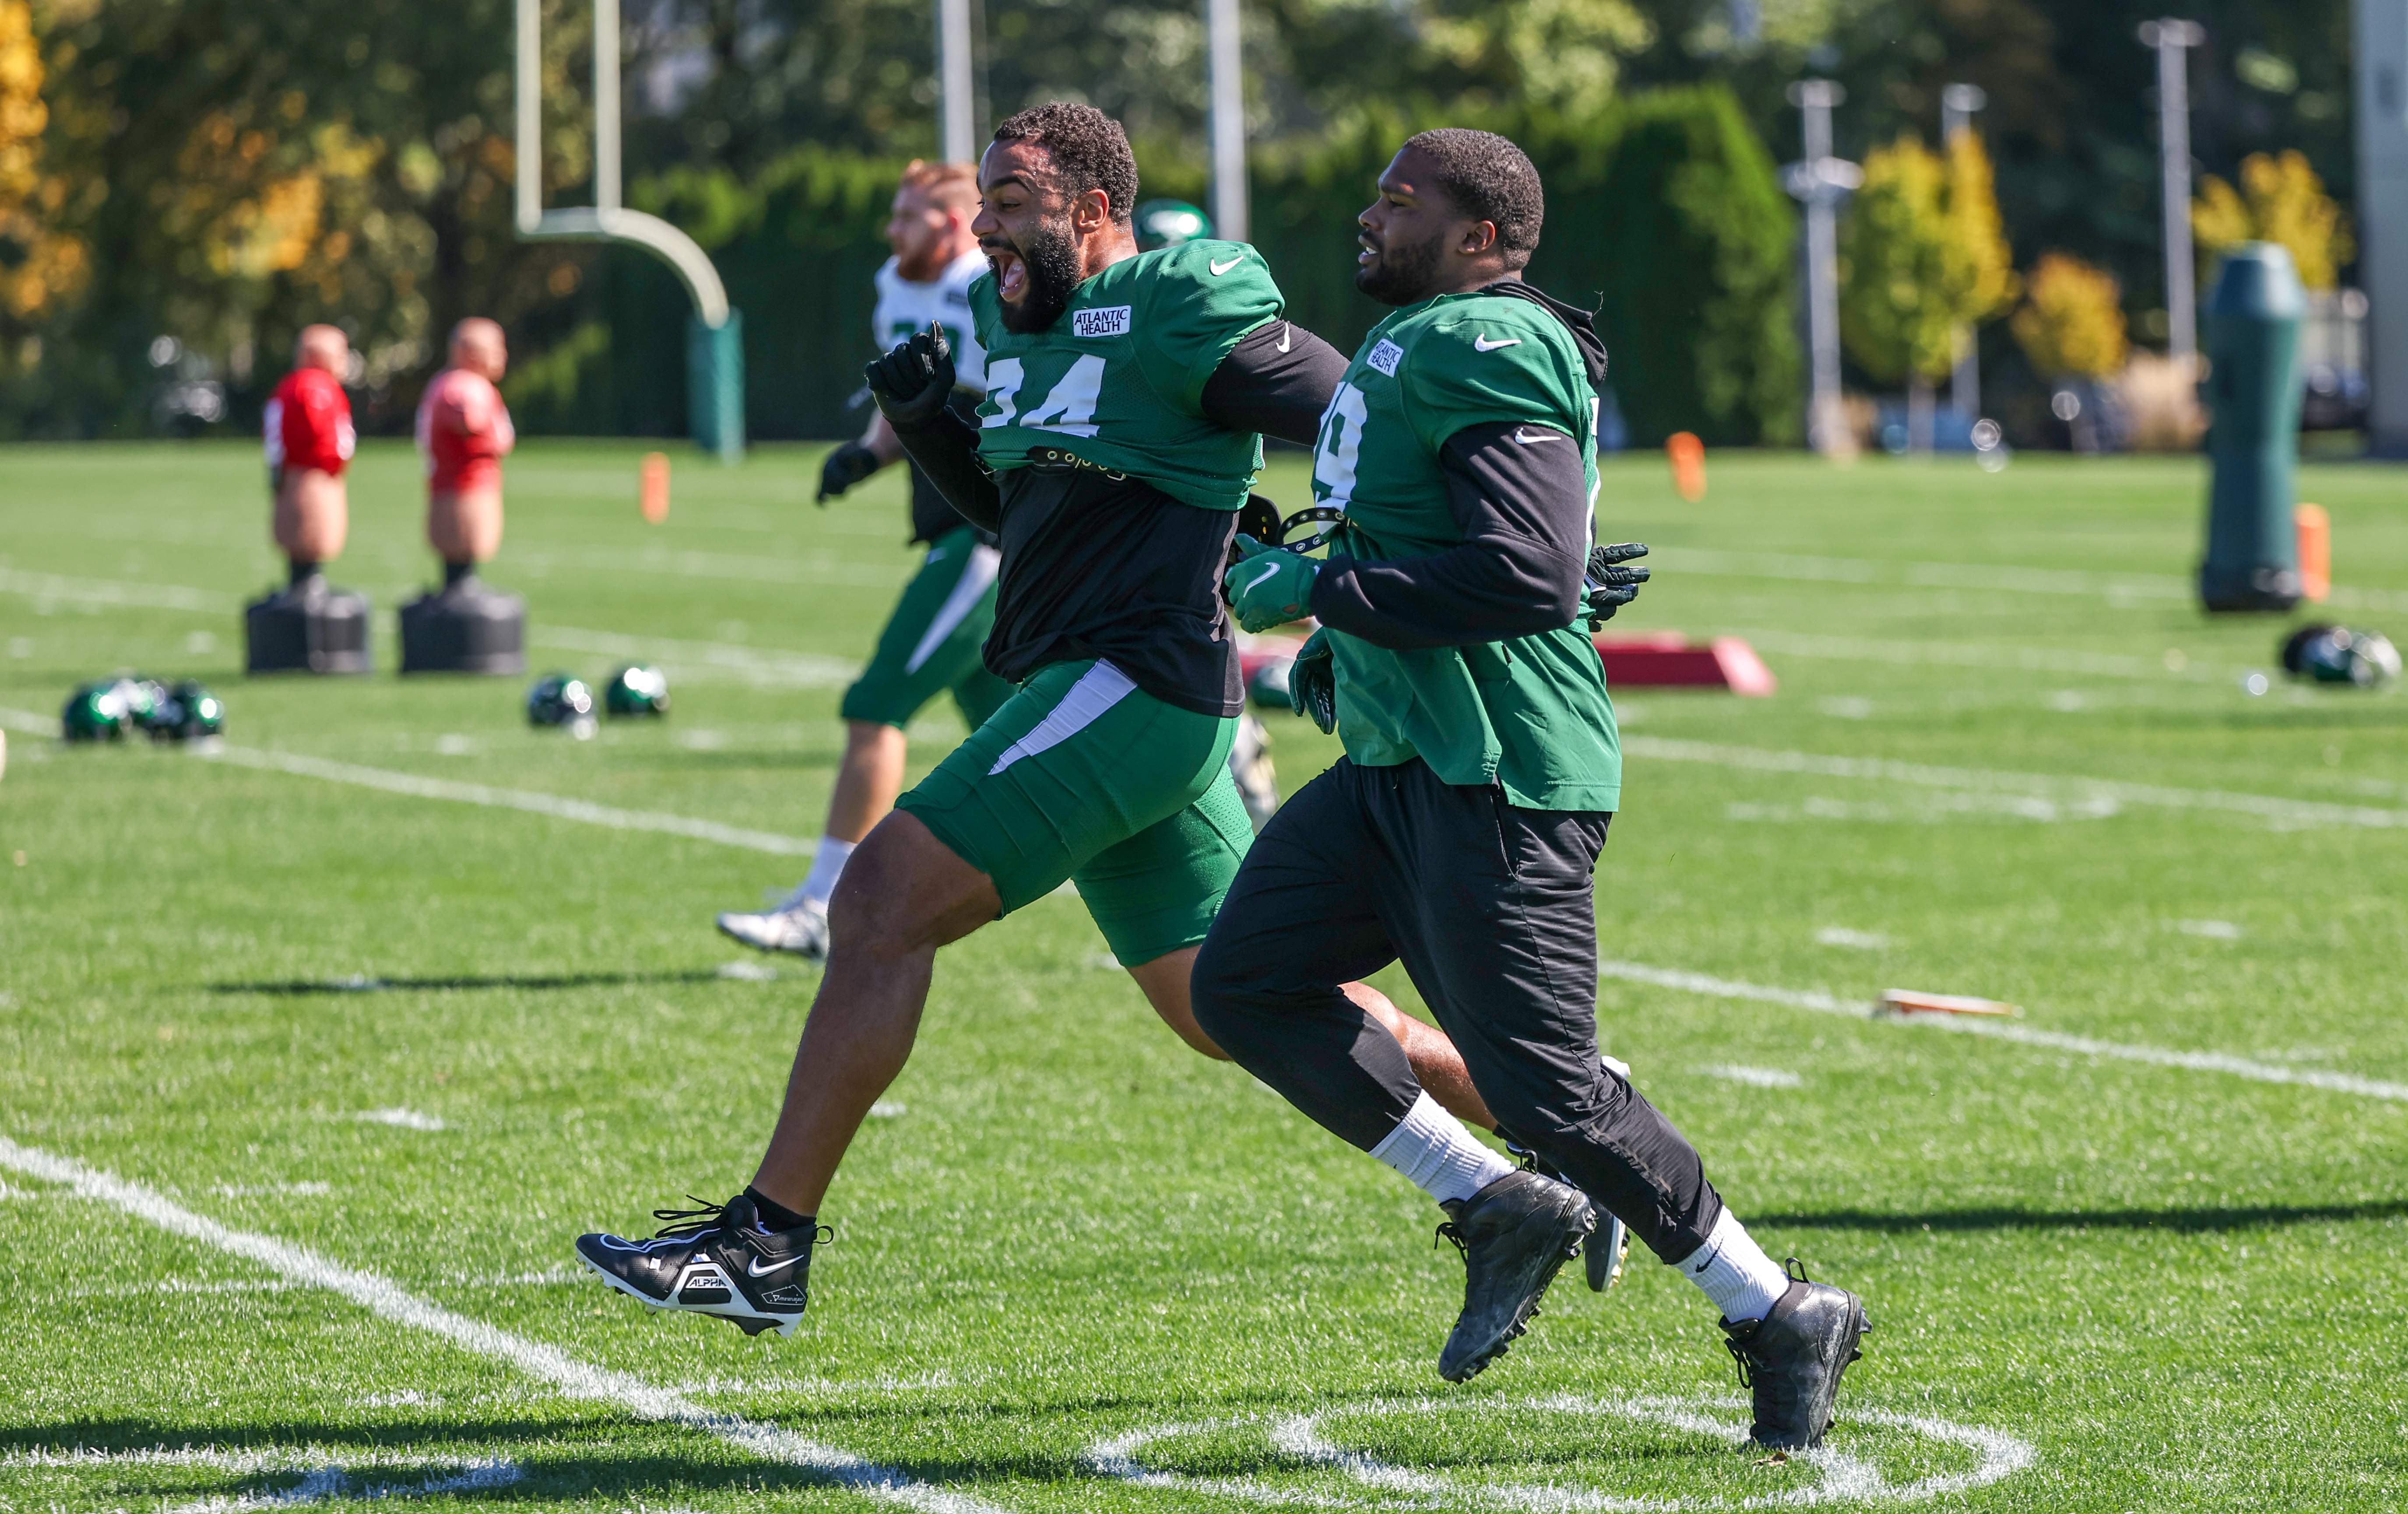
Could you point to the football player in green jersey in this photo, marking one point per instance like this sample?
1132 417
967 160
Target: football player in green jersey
1461 830
1127 395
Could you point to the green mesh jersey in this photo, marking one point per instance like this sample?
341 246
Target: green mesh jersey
1529 714
1119 379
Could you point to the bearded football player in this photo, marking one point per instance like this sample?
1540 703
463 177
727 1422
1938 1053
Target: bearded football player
1127 398
1462 828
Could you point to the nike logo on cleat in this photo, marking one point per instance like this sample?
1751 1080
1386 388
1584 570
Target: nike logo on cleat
757 1270
1220 268
1482 343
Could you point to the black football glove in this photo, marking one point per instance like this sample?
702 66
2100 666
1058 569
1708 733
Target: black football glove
912 383
849 464
1312 683
1606 586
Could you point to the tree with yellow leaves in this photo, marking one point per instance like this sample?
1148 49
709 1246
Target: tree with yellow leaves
1923 258
2071 323
39 266
2281 200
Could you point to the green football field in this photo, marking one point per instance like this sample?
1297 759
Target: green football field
317 1053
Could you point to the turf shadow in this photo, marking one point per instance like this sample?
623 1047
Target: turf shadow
2237 1217
470 983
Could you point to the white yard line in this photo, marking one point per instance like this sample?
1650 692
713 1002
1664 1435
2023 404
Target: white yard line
1996 578
1917 653
549 1363
803 670
114 591
1828 1004
2287 813
416 787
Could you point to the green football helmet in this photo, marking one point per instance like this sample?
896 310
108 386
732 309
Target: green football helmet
637 690
95 713
561 699
190 713
2337 654
1167 222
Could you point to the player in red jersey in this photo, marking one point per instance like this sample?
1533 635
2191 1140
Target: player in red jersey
464 433
309 441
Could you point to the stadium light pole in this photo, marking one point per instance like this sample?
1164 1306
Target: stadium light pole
1958 104
1822 181
1226 62
2169 37
714 339
955 88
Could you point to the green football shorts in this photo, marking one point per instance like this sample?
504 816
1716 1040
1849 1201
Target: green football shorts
1082 775
931 642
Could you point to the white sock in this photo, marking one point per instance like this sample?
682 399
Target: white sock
828 866
1743 1282
1431 1148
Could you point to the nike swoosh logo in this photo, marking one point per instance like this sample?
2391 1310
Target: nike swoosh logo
1220 268
1269 568
1707 1263
757 1270
1287 334
1482 343
1519 436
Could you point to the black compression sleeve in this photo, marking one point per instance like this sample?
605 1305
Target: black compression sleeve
946 450
1277 381
1522 504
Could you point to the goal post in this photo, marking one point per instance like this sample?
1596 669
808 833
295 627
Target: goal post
715 332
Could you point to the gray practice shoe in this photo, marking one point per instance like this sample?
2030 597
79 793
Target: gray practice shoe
1515 1235
1793 1357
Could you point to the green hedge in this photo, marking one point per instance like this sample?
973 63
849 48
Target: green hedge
1663 208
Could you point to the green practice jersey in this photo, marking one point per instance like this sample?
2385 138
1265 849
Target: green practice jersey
1118 379
1529 714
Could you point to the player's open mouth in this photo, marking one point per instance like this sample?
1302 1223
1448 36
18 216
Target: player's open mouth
1371 253
1011 274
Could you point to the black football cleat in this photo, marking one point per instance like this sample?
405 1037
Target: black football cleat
1515 1235
714 1260
1793 1357
1605 1254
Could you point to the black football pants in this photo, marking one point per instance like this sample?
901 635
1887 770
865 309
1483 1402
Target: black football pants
1493 909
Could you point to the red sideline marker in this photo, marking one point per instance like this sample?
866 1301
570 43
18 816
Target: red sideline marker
1913 1002
1668 660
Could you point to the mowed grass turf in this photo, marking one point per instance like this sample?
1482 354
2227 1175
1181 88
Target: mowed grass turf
1078 1267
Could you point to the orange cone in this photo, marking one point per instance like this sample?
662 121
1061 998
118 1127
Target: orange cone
2315 550
652 487
1688 455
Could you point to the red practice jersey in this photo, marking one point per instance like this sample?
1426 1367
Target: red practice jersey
310 423
464 432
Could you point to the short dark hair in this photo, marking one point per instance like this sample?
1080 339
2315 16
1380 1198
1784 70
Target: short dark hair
1088 148
1489 178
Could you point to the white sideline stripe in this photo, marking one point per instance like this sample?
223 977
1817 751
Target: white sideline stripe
975 580
535 804
2279 811
579 1379
1096 692
1822 1003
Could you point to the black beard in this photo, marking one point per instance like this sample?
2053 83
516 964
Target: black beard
1403 275
1051 261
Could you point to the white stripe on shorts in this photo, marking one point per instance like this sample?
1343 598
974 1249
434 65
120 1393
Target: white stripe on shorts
978 575
1096 692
